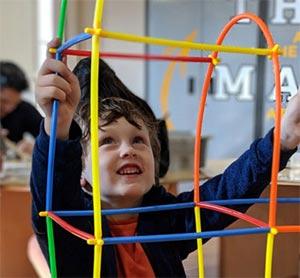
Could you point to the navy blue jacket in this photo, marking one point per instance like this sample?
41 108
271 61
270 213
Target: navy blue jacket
244 178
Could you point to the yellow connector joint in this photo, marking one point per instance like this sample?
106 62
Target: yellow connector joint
93 31
43 213
276 49
215 61
52 50
274 231
93 241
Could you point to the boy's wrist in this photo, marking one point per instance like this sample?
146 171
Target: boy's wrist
287 144
289 138
62 130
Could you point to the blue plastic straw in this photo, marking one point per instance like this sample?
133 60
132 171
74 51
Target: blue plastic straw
172 207
51 156
75 40
184 236
253 201
52 142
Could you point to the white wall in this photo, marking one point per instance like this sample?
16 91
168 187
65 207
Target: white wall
132 21
126 16
17 34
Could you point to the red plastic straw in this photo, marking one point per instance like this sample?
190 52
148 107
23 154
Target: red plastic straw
233 213
70 228
276 147
86 53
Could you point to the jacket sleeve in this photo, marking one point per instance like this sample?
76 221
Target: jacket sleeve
67 193
70 250
246 177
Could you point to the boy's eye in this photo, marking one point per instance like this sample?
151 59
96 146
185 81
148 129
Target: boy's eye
138 140
106 141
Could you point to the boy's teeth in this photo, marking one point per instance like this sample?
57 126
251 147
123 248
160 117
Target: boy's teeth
129 171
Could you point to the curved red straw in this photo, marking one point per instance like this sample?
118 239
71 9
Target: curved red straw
276 147
70 228
233 213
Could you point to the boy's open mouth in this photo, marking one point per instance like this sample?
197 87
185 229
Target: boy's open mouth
130 169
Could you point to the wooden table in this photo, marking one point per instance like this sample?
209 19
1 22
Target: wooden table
15 230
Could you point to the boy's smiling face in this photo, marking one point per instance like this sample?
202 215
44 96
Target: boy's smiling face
126 164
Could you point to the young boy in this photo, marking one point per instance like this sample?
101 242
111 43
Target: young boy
129 153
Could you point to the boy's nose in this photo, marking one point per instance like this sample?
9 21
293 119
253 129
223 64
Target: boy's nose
127 151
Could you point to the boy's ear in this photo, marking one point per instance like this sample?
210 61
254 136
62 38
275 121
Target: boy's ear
85 185
164 148
83 181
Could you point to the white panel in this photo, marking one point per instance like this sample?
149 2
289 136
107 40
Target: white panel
128 17
17 35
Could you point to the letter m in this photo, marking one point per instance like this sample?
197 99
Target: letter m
240 86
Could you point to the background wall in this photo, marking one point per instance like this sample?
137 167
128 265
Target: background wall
240 103
121 16
18 34
20 42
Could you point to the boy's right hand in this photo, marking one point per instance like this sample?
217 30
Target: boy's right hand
56 81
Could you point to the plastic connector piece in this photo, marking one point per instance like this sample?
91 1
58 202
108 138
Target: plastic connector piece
93 241
43 213
93 31
274 231
215 61
275 49
52 50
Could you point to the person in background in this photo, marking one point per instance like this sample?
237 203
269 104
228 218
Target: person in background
17 116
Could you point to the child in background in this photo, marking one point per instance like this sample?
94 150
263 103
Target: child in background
129 153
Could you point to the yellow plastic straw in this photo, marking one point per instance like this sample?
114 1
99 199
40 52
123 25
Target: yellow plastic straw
199 244
94 140
98 14
269 255
185 44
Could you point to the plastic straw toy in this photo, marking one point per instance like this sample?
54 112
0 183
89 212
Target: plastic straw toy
95 33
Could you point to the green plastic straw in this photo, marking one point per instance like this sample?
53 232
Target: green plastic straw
62 19
49 222
51 247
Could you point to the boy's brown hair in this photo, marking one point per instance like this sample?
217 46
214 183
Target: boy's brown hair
111 86
110 110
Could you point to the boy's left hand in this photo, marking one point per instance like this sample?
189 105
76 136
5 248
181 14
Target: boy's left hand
290 129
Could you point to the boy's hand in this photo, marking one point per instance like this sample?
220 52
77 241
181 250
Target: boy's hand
56 81
290 130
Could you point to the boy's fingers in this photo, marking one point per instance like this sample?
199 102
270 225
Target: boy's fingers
51 66
50 93
55 43
54 80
